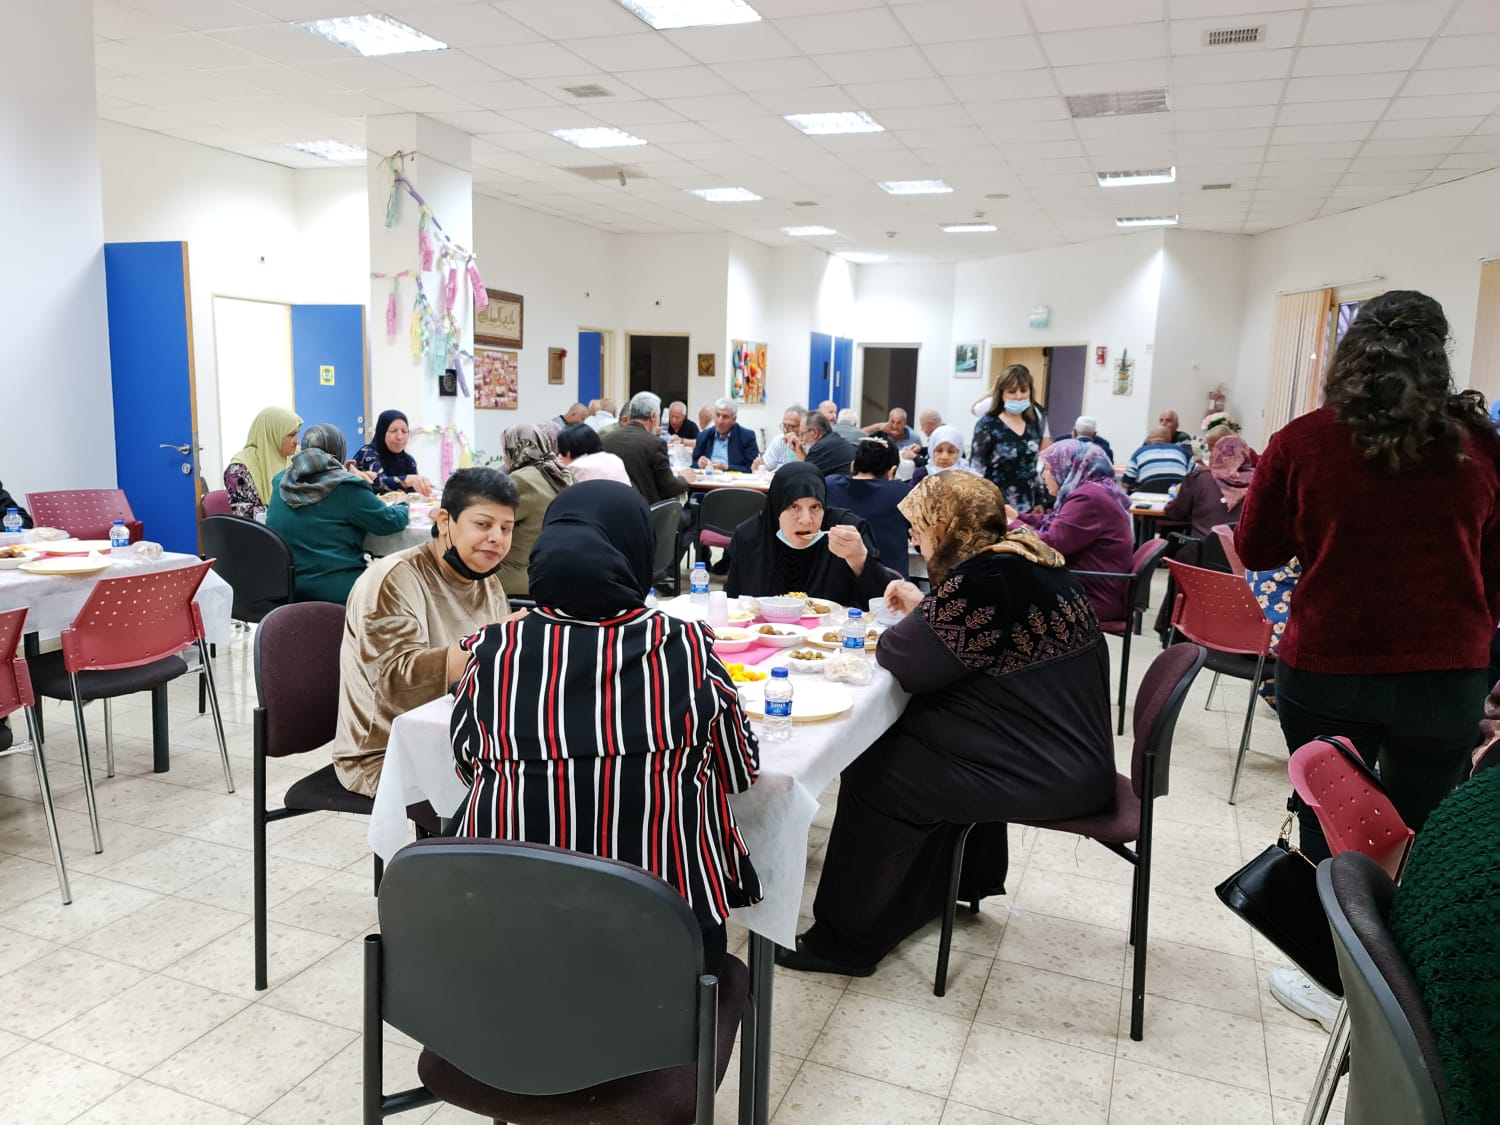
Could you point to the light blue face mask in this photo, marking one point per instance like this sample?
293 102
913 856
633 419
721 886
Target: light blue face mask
799 546
1018 405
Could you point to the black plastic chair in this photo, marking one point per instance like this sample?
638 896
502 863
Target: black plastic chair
583 998
1146 559
296 710
723 510
666 526
257 565
1158 702
1395 1076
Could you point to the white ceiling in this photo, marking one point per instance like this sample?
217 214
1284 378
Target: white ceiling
1341 104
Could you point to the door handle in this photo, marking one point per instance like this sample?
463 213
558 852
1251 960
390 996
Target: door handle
185 450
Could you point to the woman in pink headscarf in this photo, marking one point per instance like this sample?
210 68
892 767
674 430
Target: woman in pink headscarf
1205 499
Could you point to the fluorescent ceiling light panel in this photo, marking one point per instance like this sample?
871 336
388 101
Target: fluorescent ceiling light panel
862 259
597 136
330 150
373 35
832 124
664 15
969 228
724 194
1148 221
807 232
1118 104
1136 179
915 187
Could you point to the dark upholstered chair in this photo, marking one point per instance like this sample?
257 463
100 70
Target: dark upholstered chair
724 509
1147 558
666 526
16 696
584 1000
297 710
1157 703
254 560
86 513
216 503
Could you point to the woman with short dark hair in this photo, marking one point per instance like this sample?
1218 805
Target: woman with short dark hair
871 492
578 440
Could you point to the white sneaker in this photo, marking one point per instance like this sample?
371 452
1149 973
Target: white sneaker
1298 993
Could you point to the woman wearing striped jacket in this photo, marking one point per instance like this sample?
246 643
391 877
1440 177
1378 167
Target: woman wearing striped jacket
601 726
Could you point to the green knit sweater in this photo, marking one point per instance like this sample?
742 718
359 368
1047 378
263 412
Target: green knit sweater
1446 922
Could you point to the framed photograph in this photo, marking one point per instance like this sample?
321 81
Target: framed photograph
496 379
706 364
501 323
555 361
448 383
967 363
749 362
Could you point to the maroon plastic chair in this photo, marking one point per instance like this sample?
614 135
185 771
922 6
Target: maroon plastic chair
16 695
127 638
1219 612
86 513
1225 534
216 503
1157 703
1146 559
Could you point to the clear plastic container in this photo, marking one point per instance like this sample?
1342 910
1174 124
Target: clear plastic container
777 726
852 665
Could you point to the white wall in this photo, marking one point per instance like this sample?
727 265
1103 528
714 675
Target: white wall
913 305
54 343
1197 325
333 239
1430 240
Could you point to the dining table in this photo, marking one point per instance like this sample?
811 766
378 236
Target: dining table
774 817
417 531
705 481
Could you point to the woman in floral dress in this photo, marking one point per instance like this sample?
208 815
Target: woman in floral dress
1008 439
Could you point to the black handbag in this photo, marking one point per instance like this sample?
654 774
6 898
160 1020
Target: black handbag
1277 893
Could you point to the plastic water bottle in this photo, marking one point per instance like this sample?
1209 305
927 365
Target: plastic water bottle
651 598
854 646
12 520
778 724
119 535
698 585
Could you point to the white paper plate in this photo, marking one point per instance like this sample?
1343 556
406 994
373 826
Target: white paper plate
11 564
72 564
791 635
70 547
730 639
816 637
805 667
813 700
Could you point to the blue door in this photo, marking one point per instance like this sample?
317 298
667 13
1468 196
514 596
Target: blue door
590 359
151 365
843 369
820 370
328 368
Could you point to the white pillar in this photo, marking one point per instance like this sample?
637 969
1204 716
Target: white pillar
437 164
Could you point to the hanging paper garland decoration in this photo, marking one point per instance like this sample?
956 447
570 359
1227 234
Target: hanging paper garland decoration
455 447
391 315
476 283
450 290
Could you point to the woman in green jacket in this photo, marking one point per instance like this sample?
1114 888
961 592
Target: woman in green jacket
531 460
324 512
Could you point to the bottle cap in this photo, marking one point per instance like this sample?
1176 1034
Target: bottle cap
853 613
779 673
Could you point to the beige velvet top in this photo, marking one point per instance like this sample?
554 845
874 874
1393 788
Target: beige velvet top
403 613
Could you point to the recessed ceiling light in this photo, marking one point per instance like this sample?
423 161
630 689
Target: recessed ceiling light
831 124
667 14
807 232
597 136
915 187
1130 179
859 258
1118 104
330 150
1148 221
373 35
724 194
997 195
969 228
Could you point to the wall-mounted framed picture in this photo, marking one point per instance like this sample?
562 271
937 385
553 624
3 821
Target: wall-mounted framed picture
748 361
496 379
502 322
707 364
556 357
967 363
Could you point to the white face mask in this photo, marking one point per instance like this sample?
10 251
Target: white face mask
799 546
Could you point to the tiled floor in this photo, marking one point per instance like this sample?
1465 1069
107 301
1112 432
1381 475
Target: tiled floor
135 1003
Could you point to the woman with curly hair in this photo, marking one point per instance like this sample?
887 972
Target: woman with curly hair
1397 475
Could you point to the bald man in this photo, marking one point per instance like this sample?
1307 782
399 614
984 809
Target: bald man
573 415
829 409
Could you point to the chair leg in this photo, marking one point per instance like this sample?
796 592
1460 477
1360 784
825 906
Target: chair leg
88 770
950 908
1124 673
258 834
202 693
1213 683
213 698
37 758
372 1088
1140 916
379 874
1326 1083
1239 760
109 740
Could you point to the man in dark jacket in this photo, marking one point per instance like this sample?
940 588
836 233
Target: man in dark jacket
726 444
679 425
637 443
824 448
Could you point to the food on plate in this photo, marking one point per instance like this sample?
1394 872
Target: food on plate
740 617
742 675
17 551
819 608
772 631
728 634
831 637
800 595
395 497
806 655
871 637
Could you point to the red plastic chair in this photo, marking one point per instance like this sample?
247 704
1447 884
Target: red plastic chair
216 503
86 513
1219 612
1225 533
16 695
127 638
1143 564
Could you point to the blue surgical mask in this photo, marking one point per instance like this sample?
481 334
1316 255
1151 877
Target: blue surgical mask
796 546
1018 405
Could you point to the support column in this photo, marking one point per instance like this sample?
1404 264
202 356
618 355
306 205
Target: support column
438 166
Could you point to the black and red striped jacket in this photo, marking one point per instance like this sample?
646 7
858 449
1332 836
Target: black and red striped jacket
622 738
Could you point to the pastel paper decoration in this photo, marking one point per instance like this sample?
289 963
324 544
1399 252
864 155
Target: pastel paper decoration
391 315
481 298
445 461
424 245
450 290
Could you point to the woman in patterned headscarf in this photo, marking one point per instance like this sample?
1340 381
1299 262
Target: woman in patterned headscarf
531 458
1009 720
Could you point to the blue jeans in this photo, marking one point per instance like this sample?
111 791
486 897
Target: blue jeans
1418 728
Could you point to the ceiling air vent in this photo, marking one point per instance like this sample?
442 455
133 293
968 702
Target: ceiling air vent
804 203
1217 187
592 90
603 172
1233 36
1118 104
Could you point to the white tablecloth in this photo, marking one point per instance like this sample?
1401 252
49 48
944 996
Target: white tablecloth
774 815
414 534
53 600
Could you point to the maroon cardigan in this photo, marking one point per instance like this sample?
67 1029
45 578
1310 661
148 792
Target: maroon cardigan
1092 532
1199 503
1400 571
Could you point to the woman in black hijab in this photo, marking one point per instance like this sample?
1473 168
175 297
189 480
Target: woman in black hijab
596 724
799 544
385 463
